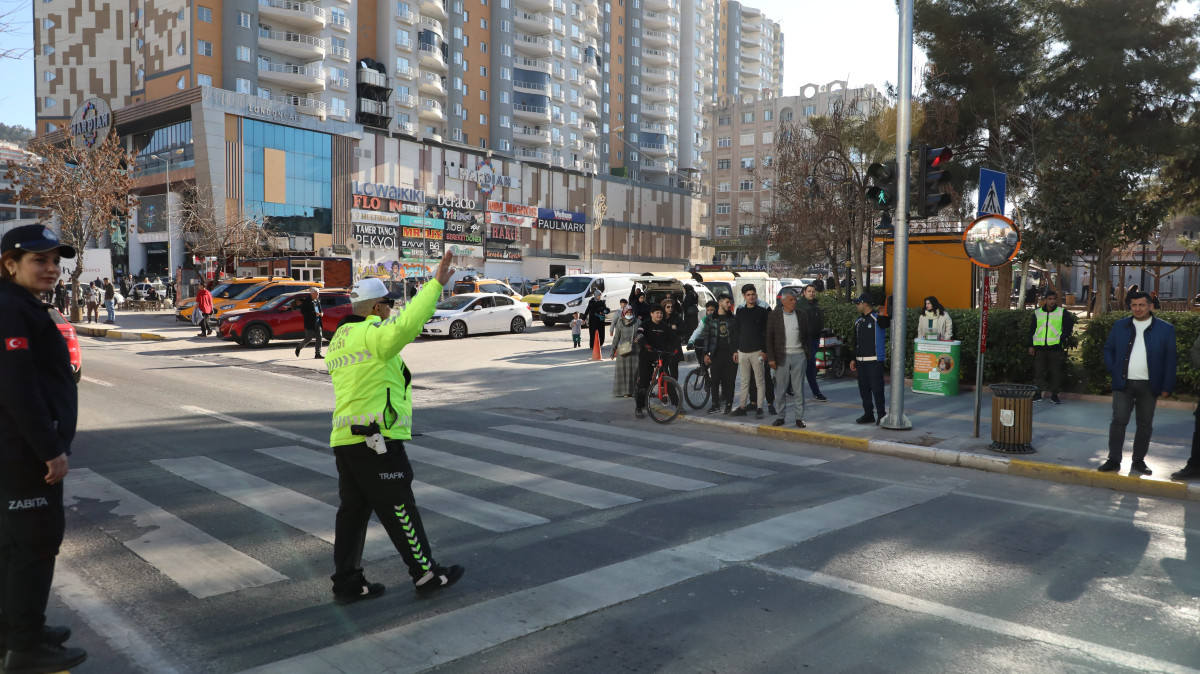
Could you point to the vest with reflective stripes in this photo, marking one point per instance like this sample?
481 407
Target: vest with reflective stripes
1048 329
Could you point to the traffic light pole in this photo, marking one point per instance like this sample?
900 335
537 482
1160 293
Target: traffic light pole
895 419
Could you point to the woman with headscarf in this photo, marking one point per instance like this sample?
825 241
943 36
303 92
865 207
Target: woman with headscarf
935 321
625 377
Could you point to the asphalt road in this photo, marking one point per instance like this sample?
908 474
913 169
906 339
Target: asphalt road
200 510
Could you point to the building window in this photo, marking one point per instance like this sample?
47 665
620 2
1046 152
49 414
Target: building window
49 102
504 121
483 23
204 48
483 119
243 86
747 162
746 139
724 120
243 19
181 49
746 185
338 105
810 110
747 117
723 230
768 115
203 80
483 143
203 14
483 71
483 47
263 92
723 208
724 142
243 53
181 83
482 95
723 187
723 164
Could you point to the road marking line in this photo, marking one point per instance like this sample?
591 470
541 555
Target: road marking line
114 627
1096 651
313 517
450 636
198 562
676 441
650 477
483 514
322 444
630 450
96 382
567 491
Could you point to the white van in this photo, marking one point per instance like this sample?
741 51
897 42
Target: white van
571 293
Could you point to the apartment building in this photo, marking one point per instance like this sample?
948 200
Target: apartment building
750 55
743 132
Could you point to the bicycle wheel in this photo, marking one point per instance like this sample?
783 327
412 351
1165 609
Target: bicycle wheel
664 402
696 389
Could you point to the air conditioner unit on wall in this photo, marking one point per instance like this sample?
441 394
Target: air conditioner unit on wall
325 252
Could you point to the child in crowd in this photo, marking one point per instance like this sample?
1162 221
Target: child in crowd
576 327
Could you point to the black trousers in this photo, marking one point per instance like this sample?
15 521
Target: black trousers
1047 369
596 333
205 323
811 372
722 372
1136 398
1194 459
311 335
382 484
646 361
870 385
31 531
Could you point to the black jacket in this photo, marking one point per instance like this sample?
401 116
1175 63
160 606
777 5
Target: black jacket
752 328
594 314
310 309
720 334
816 317
653 336
39 403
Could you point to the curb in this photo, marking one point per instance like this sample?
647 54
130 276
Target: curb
120 334
1087 477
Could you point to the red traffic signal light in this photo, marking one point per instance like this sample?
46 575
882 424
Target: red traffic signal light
932 176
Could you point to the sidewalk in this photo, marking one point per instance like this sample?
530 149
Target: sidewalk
135 325
1071 439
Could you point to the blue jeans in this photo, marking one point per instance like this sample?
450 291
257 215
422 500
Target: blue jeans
109 306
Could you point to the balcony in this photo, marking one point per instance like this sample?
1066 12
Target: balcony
431 57
433 25
406 73
537 24
668 129
535 46
653 93
533 113
658 38
339 22
531 87
560 6
593 5
432 110
374 108
340 53
532 155
534 6
666 6
589 167
533 64
406 101
558 141
590 67
590 130
659 20
560 96
302 78
592 27
660 111
307 106
589 150
655 149
406 16
576 145
373 78
432 84
530 135
660 57
754 26
590 109
659 75
591 90
298 45
577 80
434 8
651 165
302 15
406 128
406 45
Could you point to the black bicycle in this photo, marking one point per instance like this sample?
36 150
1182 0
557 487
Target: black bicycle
697 385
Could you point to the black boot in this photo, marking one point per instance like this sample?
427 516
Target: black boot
42 659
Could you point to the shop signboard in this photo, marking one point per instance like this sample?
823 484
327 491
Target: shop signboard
935 367
504 233
463 232
555 214
515 220
502 254
376 237
464 251
562 226
424 223
512 209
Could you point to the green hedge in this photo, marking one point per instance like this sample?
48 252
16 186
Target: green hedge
1187 328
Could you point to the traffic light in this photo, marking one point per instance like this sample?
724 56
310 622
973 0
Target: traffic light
932 176
882 194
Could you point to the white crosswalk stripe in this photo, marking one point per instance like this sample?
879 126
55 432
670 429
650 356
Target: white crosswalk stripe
199 563
294 509
483 514
674 441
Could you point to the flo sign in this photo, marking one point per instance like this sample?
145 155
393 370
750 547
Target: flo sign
91 122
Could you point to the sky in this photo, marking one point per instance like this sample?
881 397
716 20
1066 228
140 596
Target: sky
854 40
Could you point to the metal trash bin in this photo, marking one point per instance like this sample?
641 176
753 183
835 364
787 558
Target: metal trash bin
1012 418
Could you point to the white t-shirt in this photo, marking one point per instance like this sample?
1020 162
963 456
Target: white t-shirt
1139 369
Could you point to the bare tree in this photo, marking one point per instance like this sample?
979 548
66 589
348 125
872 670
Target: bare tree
235 237
86 191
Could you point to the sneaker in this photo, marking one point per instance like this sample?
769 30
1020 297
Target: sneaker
44 657
820 397
865 419
368 591
297 352
55 635
1140 467
801 424
739 412
1109 466
1188 473
1037 397
790 390
729 409
319 357
778 422
1054 399
440 577
714 409
639 413
758 414
751 406
771 410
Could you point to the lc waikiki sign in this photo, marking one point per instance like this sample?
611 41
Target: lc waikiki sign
90 122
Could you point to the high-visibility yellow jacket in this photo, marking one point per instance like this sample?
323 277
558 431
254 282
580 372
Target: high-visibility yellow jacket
370 380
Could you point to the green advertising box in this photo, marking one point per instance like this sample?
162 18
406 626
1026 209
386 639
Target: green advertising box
935 367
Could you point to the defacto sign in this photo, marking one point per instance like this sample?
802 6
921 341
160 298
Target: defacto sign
90 122
381 191
455 201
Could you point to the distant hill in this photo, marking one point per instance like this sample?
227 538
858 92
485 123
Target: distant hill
15 134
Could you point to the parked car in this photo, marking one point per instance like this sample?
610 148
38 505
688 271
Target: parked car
142 291
225 290
258 295
472 284
475 313
534 300
280 318
68 333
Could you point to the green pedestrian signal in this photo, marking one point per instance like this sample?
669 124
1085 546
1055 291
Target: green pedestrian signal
882 194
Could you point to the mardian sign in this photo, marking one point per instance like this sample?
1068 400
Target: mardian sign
485 177
91 122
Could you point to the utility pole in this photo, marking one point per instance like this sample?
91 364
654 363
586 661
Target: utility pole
895 419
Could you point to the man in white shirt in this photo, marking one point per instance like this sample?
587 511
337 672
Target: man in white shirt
1140 355
788 335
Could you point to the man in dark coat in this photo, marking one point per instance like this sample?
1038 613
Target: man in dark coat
310 309
594 315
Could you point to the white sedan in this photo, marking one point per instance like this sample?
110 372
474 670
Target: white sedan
474 313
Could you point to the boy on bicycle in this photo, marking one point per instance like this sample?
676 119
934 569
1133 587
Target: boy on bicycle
652 338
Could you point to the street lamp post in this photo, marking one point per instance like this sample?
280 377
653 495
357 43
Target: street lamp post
167 158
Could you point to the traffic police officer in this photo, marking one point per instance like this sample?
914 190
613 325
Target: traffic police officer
1050 323
371 420
38 409
870 333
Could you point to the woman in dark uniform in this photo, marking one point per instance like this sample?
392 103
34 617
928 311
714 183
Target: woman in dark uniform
38 408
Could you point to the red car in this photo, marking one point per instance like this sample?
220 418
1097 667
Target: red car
281 318
68 333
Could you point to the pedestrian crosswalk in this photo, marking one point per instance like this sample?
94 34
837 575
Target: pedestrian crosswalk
491 481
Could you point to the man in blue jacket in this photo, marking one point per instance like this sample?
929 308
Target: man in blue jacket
1140 356
870 355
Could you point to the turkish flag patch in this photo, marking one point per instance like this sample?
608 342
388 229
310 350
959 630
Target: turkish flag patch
16 344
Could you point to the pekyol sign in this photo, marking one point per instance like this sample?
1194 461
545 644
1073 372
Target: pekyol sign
376 236
91 122
505 233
